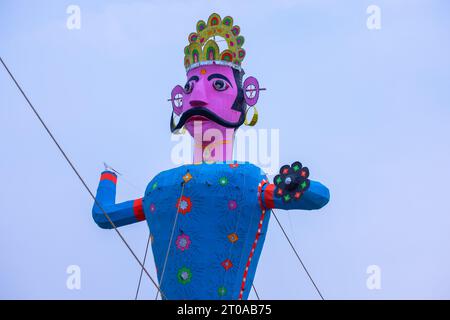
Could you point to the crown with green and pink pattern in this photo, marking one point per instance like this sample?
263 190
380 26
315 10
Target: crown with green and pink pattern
204 50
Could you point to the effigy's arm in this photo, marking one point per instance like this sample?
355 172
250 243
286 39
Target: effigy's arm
121 214
293 190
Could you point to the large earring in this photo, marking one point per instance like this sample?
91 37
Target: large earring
254 119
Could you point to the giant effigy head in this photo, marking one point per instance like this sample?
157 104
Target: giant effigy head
214 95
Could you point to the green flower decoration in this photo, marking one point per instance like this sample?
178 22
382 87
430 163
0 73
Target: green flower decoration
278 180
223 181
222 291
155 185
184 275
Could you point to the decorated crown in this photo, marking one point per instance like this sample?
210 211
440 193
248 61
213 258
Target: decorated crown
203 48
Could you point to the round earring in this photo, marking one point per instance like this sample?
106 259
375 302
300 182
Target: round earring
254 119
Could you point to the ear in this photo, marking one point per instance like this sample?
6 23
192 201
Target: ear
176 97
251 91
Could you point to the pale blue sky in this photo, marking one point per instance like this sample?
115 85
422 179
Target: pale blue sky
374 113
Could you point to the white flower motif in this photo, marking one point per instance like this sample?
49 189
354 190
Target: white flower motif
183 204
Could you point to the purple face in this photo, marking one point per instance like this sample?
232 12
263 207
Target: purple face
209 98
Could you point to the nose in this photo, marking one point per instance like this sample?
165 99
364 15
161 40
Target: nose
198 96
197 103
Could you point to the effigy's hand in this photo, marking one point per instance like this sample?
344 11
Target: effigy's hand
292 182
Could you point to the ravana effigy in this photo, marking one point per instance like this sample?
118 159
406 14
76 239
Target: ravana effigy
208 220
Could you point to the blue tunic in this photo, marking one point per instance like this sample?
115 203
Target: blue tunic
215 222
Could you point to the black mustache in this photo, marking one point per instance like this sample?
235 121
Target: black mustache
208 114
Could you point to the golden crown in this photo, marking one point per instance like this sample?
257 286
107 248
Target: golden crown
203 49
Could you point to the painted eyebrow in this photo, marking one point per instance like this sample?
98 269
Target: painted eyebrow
193 78
220 76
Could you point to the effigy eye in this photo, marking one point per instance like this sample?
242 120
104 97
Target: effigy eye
220 85
188 87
